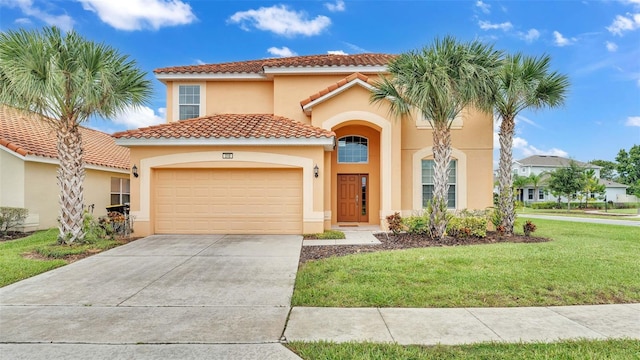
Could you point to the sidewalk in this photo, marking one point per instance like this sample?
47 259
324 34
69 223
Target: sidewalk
430 326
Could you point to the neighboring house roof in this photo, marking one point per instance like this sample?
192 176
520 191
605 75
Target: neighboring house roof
334 89
552 161
33 136
612 184
264 65
230 129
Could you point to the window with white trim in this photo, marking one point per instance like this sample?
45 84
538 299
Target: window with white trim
427 183
530 194
540 194
188 101
120 191
353 149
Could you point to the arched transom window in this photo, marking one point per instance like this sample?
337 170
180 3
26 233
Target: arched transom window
353 149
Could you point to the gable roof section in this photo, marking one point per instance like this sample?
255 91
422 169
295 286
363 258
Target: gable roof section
229 129
552 161
32 137
261 69
335 89
612 184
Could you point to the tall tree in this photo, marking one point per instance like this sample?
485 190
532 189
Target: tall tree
629 168
66 79
536 180
608 171
567 181
524 82
519 182
438 82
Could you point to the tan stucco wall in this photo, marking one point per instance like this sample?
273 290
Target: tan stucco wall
192 157
11 180
41 191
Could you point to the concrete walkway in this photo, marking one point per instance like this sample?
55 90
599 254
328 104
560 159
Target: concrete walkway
635 222
213 291
356 235
464 325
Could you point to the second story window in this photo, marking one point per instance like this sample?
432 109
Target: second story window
189 101
353 149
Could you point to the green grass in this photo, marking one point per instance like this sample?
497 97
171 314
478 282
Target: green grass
623 211
584 264
582 349
14 267
326 235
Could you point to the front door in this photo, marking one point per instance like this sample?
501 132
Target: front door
353 197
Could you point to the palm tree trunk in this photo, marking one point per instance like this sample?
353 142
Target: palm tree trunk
441 159
70 180
505 181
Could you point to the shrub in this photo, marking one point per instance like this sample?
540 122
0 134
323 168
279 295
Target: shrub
395 223
11 217
528 227
467 223
326 235
96 230
416 224
547 205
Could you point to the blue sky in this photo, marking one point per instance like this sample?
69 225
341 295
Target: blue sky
596 43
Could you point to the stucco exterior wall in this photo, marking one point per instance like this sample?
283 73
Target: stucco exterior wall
239 97
148 158
11 180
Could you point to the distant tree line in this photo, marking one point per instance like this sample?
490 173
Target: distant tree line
625 170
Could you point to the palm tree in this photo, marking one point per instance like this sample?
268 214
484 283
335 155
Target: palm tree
438 82
523 82
519 182
66 79
535 180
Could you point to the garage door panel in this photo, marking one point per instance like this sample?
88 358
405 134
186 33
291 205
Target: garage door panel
235 201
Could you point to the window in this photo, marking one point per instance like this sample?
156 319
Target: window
353 149
427 183
530 194
189 101
120 193
540 194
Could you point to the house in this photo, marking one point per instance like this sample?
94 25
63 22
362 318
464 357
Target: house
292 145
544 164
28 169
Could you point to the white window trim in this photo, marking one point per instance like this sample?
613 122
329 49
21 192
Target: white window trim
461 191
455 184
120 191
338 149
176 99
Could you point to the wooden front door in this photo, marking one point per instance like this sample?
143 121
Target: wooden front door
353 196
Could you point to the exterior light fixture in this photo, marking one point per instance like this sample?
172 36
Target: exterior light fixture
316 171
134 171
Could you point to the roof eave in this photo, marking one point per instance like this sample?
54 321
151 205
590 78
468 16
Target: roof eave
301 70
175 76
326 142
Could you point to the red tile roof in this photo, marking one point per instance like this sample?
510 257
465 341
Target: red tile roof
229 126
258 66
31 135
336 86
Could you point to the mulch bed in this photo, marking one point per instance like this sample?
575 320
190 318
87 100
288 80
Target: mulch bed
12 235
409 241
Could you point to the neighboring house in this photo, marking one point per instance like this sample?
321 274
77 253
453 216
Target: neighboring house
544 164
29 164
292 145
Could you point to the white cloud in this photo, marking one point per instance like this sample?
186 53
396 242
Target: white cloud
484 7
524 119
624 23
139 117
200 62
633 121
280 20
485 25
335 7
141 14
531 35
356 48
611 47
281 52
64 21
561 41
336 52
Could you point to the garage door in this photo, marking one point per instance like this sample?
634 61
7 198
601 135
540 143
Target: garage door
228 201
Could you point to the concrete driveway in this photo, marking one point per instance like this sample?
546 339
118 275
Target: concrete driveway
211 290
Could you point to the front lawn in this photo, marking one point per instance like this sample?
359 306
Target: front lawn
583 349
584 264
42 254
582 213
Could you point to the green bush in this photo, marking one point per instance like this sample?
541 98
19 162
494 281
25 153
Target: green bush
326 235
547 205
416 224
468 223
11 217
